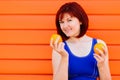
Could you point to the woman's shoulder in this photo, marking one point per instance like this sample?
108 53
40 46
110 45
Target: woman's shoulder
101 41
98 39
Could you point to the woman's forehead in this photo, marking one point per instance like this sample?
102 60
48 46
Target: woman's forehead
65 15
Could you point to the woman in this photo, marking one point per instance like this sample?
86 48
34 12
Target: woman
74 58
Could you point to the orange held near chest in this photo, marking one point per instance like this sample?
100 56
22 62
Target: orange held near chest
55 36
99 46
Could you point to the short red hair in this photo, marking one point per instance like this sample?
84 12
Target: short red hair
74 9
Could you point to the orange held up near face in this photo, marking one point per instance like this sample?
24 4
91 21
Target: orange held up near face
55 36
99 46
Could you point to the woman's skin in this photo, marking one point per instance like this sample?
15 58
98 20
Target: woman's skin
70 26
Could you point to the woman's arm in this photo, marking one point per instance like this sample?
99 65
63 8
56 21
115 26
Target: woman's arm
59 60
60 67
103 63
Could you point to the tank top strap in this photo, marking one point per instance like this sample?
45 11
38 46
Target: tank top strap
94 41
66 47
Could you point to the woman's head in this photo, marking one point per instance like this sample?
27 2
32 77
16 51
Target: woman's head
75 10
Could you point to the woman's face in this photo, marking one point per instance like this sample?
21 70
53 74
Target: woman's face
70 25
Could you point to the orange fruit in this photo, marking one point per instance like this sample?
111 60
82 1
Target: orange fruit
98 46
55 36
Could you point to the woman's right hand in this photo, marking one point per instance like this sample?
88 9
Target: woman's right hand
59 47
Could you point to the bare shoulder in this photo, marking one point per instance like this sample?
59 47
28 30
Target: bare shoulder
101 41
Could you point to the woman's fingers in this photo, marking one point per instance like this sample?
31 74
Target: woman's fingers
101 57
51 42
61 46
54 43
105 51
58 46
101 52
98 57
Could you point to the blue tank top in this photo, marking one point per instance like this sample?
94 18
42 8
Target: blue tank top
82 68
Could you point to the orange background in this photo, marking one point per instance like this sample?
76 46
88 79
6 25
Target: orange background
26 27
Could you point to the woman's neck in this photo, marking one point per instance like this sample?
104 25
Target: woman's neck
84 38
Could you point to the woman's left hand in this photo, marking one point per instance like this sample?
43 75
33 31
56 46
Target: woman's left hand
102 57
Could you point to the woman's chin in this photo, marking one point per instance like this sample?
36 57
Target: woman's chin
69 35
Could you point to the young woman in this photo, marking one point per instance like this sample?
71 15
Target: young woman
74 58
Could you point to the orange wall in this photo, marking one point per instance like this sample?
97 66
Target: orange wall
26 27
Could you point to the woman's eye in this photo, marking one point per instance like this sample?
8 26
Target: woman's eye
61 22
69 20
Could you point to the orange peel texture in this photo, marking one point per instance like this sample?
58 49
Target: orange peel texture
55 36
98 46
